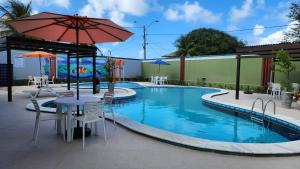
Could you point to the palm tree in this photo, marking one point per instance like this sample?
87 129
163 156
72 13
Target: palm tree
185 47
14 9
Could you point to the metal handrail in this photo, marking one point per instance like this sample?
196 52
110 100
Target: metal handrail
274 106
262 103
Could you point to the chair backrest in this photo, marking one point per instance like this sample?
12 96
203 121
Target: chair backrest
53 78
36 105
295 86
30 77
108 98
65 94
92 108
276 86
37 79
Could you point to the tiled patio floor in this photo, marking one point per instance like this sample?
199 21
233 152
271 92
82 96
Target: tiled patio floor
123 150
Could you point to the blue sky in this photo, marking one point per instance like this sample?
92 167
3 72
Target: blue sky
178 17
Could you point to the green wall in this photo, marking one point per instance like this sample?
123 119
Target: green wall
294 76
214 70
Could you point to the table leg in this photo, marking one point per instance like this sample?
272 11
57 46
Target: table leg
58 124
69 124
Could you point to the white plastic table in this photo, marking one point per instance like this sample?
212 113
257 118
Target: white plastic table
71 102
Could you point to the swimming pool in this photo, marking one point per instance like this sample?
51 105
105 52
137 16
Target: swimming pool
180 110
131 85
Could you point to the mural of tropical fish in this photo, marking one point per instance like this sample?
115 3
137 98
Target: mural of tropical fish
82 70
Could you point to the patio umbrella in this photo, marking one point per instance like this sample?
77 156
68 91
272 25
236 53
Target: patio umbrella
159 62
38 54
70 28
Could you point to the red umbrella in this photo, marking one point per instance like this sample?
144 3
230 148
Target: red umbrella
70 28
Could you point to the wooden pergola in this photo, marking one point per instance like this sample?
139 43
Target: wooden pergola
268 54
20 43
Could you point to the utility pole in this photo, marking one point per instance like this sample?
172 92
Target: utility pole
144 27
145 42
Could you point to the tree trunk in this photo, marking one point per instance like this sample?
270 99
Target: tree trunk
182 69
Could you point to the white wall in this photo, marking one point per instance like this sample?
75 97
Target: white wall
132 68
23 67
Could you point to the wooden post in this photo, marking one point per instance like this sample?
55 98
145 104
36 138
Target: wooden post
94 72
273 70
68 70
238 71
9 73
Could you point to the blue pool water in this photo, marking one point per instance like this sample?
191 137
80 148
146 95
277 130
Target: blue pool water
131 85
180 110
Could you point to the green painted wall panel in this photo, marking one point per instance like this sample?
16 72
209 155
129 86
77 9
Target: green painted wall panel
214 70
294 76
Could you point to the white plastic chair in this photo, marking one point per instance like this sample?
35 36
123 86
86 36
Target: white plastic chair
156 79
161 80
269 89
276 90
108 102
52 80
295 87
37 81
30 80
165 79
91 115
152 79
48 117
45 80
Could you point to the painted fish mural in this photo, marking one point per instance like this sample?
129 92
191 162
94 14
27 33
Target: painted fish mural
85 68
82 70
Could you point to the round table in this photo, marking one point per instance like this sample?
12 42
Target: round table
71 102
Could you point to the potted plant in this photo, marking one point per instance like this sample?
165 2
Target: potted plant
109 66
96 81
248 90
285 66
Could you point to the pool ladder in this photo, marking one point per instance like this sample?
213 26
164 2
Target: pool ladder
263 107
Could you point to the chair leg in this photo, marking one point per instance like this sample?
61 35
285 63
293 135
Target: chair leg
104 130
63 128
96 128
83 135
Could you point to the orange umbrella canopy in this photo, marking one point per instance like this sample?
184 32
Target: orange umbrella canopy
58 27
38 54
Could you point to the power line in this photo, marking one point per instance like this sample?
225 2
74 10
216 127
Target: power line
236 30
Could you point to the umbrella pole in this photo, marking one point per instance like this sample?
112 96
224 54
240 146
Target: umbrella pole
40 66
158 69
77 68
41 84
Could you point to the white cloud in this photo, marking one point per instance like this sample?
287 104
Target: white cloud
140 54
191 12
60 3
278 36
33 12
116 10
236 14
258 30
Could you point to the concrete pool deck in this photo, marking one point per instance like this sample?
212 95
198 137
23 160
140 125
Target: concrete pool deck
123 150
